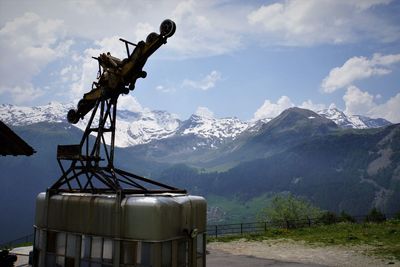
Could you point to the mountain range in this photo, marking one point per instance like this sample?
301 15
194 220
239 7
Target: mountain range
337 161
135 128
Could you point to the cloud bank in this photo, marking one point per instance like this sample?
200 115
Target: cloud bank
28 43
310 22
358 68
358 102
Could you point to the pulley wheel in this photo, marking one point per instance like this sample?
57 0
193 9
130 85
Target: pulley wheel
167 28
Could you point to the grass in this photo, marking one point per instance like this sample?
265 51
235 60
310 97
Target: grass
23 244
382 239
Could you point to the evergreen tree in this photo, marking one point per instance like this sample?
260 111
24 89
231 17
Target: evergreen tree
376 216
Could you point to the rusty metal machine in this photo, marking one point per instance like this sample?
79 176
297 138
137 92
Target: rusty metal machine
91 167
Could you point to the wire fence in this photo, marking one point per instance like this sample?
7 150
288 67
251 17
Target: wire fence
18 241
218 230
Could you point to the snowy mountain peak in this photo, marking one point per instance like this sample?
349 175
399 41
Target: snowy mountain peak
351 121
210 127
16 115
141 128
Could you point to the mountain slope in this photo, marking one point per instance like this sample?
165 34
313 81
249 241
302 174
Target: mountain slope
291 127
345 170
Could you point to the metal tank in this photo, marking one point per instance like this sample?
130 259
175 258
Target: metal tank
77 229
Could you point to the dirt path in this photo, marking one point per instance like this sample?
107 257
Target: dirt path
295 251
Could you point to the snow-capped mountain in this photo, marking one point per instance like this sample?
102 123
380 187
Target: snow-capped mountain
210 132
210 127
17 116
352 121
134 128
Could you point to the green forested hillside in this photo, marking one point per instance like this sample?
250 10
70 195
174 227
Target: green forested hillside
334 171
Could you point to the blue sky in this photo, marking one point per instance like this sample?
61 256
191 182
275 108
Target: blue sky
249 59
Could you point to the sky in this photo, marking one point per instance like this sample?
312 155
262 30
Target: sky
248 59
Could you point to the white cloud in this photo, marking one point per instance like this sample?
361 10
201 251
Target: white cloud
204 30
201 29
309 22
27 44
357 101
32 40
363 103
312 106
70 73
208 82
204 112
164 89
211 27
271 110
25 94
357 68
128 102
389 110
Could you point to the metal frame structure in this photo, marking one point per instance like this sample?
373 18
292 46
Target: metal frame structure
88 173
91 166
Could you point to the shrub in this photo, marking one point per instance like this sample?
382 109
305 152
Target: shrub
328 217
376 216
289 211
345 217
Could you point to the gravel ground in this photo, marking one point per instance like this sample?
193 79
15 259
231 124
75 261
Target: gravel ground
22 256
299 252
218 258
281 252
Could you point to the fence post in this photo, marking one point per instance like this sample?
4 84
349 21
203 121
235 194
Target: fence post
216 231
241 229
265 226
309 222
287 224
